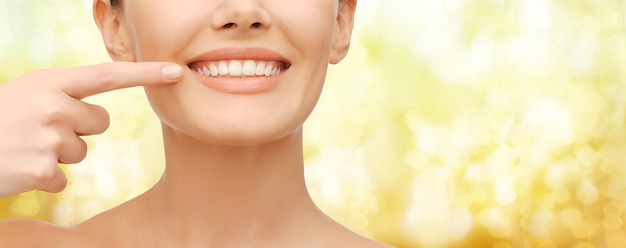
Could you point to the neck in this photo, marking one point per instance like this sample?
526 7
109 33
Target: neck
228 192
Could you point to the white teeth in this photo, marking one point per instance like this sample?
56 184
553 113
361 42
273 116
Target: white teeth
268 71
249 68
234 68
239 68
260 69
213 70
222 68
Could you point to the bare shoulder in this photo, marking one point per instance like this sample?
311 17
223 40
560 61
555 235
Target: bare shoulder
32 233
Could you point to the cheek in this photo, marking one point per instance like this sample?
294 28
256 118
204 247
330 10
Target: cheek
160 33
309 24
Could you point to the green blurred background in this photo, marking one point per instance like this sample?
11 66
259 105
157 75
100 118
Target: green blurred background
475 123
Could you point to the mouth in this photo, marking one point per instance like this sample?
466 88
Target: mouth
239 68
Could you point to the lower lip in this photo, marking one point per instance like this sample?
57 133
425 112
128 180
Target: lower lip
240 85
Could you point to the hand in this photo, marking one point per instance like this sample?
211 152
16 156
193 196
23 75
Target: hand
42 118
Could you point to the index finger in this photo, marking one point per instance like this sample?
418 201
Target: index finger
81 82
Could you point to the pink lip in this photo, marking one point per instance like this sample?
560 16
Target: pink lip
240 85
240 53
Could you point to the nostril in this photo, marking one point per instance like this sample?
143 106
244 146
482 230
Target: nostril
256 25
229 25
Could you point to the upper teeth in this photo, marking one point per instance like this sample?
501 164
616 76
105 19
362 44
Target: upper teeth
238 68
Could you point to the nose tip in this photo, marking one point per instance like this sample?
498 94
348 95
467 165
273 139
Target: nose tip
232 25
241 15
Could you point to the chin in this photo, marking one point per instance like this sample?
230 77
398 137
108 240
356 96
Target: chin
243 125
225 134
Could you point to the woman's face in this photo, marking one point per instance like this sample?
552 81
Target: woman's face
255 68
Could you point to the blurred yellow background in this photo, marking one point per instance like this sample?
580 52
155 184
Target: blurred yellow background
475 123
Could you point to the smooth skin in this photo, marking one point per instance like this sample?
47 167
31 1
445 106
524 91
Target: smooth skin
234 173
43 118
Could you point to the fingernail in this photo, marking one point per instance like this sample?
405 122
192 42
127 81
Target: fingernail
172 72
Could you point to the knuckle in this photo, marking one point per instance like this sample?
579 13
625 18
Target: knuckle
40 77
47 76
43 175
50 179
52 113
106 76
52 142
43 73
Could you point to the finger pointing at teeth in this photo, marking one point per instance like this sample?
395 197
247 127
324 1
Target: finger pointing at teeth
43 118
91 80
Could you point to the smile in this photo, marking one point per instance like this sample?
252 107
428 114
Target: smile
238 68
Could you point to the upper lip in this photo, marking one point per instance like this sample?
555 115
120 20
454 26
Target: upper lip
253 53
